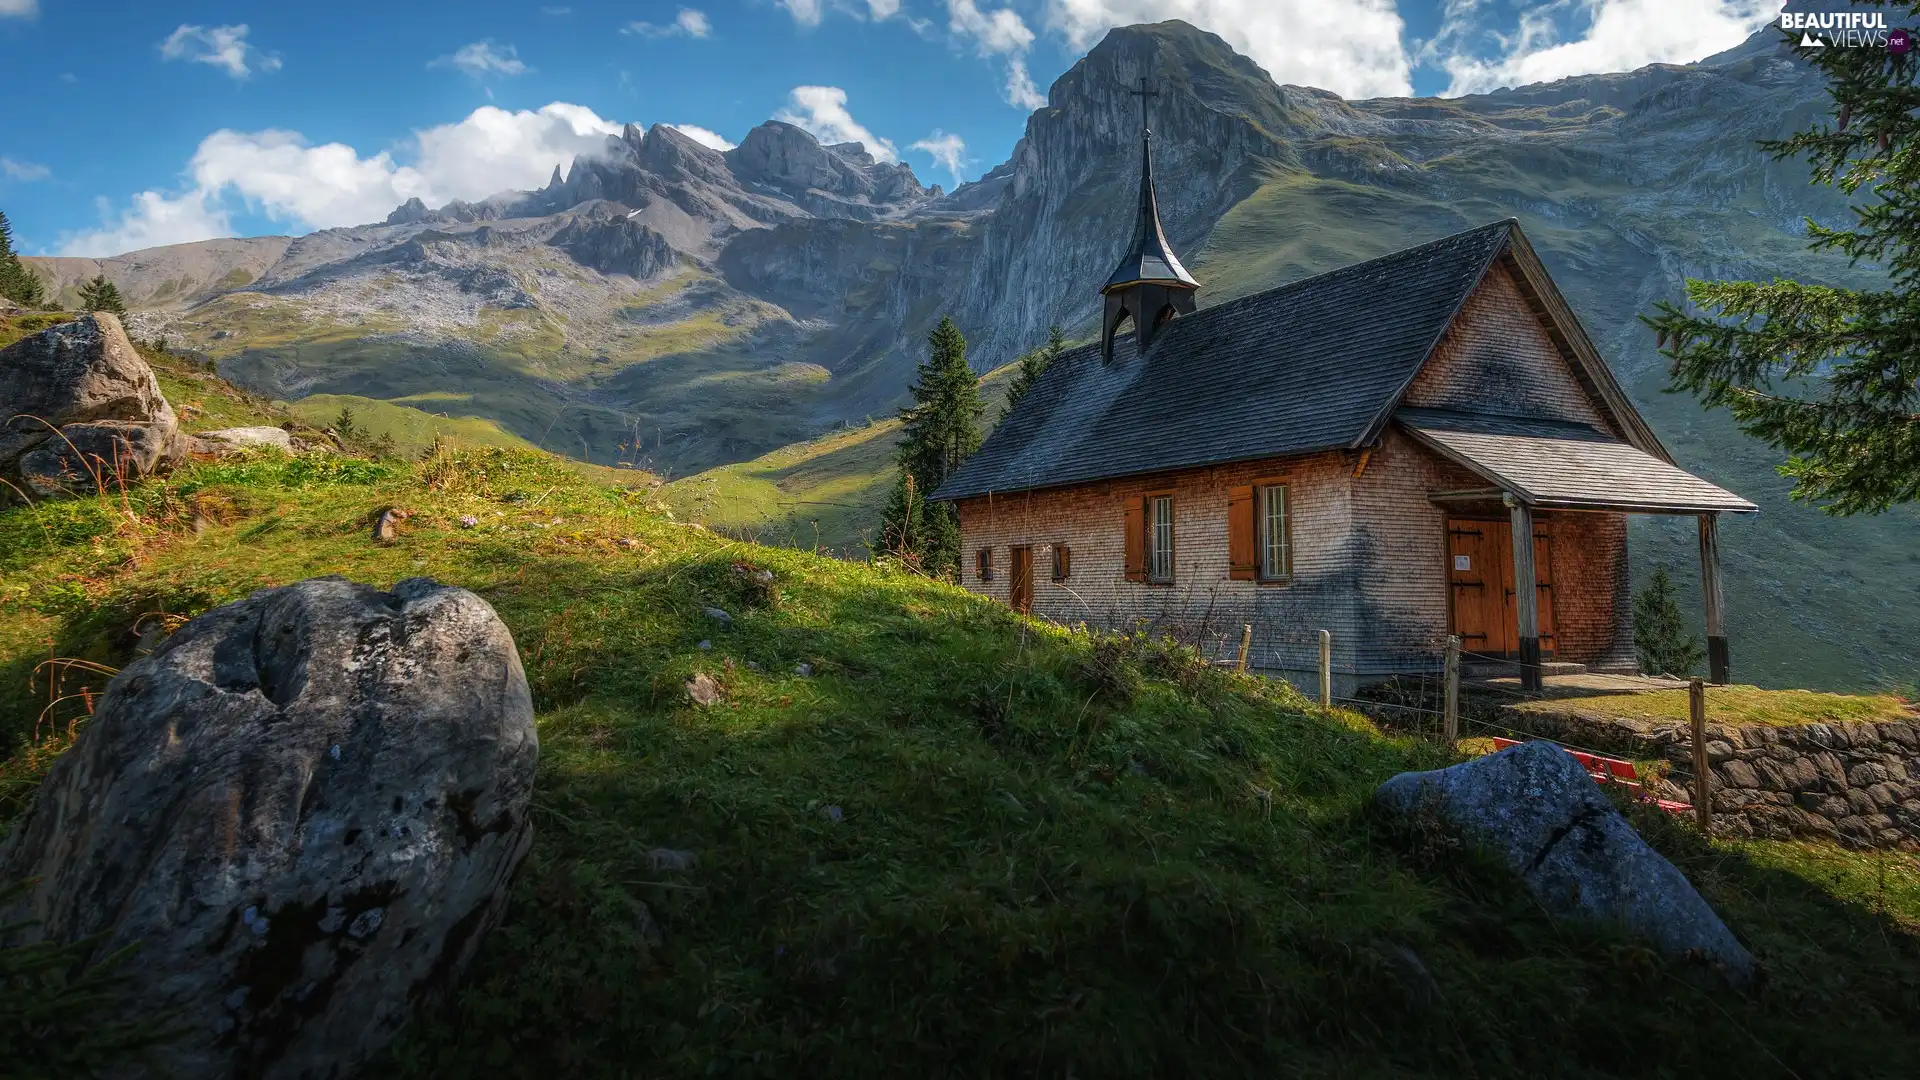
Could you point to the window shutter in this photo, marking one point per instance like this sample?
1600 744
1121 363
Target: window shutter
1135 525
1062 562
1243 561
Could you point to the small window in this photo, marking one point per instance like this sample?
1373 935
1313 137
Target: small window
1276 536
1160 538
1062 562
984 563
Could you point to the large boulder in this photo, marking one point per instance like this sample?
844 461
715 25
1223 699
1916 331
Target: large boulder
1536 809
94 456
235 440
83 372
305 807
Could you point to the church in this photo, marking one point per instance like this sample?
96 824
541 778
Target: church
1382 452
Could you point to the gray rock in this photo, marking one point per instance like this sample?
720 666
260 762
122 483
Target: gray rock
234 440
670 859
97 456
805 671
74 373
84 381
717 615
316 796
1535 808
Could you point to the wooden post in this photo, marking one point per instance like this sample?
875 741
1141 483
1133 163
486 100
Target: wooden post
1452 708
1526 593
1246 644
1326 669
1717 663
1697 706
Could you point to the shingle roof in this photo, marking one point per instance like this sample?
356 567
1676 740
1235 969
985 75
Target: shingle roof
1550 463
1308 366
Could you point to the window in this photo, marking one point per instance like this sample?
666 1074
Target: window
983 561
1160 538
1276 546
1062 562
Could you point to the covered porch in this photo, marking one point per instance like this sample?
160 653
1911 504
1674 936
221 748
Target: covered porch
1534 465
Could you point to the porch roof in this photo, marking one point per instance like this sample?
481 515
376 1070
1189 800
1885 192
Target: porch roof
1557 465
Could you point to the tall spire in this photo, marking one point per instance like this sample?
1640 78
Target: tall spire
1149 285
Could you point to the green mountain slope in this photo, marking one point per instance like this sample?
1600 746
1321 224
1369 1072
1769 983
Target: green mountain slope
964 844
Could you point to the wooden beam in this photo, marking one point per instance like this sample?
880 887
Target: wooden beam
1526 593
1717 660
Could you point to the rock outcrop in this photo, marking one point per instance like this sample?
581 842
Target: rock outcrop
305 807
80 409
234 440
1534 808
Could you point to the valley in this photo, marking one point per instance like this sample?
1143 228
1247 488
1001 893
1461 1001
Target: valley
744 323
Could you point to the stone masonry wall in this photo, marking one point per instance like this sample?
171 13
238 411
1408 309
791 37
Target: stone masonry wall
1854 783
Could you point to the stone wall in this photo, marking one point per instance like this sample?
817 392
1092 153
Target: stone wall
1854 783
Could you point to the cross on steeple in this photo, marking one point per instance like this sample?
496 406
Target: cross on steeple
1143 94
1149 286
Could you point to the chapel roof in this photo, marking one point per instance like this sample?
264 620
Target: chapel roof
1312 365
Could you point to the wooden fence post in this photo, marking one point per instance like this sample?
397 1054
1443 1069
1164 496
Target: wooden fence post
1452 708
1326 669
1697 707
1246 644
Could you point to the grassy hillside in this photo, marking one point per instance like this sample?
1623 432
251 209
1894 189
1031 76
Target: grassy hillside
826 493
965 844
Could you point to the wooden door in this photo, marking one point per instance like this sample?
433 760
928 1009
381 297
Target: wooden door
1486 611
1020 586
1474 556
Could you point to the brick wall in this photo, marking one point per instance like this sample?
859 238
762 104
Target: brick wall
1497 358
1370 552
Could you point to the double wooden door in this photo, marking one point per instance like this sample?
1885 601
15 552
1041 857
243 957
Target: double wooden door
1486 614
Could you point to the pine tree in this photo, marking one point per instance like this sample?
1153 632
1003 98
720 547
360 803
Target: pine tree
942 428
101 295
1829 376
1660 632
17 283
1032 363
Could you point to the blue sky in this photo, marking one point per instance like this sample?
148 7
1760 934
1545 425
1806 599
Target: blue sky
158 122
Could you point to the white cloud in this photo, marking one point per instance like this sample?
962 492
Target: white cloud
483 58
225 47
1351 47
882 10
711 139
804 12
153 220
1621 35
23 9
556 11
282 176
23 170
689 23
1003 31
822 112
999 33
946 149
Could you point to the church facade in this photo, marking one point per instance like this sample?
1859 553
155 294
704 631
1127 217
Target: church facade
1356 452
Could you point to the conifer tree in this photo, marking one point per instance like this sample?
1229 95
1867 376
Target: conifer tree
100 294
1829 376
17 283
942 428
1032 363
1660 634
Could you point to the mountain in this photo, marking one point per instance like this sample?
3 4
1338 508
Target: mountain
680 308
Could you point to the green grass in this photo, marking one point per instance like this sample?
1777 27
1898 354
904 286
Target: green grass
412 427
1053 854
1741 705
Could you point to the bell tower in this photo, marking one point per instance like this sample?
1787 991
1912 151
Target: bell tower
1149 286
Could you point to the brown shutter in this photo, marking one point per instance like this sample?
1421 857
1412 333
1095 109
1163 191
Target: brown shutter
1242 562
1135 525
1062 562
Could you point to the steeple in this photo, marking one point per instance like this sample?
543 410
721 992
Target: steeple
1149 286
